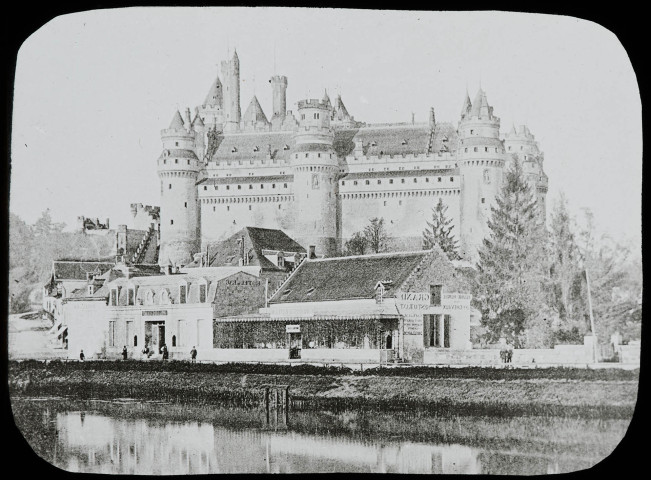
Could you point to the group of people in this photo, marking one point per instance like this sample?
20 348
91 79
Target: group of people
147 352
506 353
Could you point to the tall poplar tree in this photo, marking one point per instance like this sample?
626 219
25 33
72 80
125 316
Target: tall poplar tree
439 232
511 261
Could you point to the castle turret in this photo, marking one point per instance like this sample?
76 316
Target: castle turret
481 160
521 143
316 184
231 93
178 169
279 99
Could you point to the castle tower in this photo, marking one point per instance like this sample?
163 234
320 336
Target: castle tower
316 184
521 143
279 100
231 93
200 131
178 169
481 159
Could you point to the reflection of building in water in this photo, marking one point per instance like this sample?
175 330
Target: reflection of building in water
95 443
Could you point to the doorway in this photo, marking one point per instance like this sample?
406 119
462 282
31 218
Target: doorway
295 345
155 335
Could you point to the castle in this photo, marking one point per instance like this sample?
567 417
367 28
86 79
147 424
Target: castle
320 175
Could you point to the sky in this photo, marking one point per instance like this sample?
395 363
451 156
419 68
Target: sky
93 90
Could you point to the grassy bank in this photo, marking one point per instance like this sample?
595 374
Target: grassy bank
476 391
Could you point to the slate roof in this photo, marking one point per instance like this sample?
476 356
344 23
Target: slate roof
388 140
227 253
76 270
347 278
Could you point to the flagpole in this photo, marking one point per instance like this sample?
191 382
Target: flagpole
594 335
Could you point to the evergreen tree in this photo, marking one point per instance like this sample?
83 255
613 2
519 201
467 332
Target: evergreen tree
510 270
439 232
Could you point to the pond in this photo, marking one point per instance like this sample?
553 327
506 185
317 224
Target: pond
126 436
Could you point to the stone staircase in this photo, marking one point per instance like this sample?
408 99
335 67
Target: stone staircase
140 252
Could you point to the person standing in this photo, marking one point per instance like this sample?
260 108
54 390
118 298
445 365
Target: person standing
193 355
165 353
125 353
82 356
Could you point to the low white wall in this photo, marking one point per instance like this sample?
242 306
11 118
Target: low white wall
353 355
447 356
629 354
561 354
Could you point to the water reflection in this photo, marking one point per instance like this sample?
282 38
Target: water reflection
135 438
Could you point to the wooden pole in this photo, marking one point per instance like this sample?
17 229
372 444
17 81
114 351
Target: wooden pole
594 335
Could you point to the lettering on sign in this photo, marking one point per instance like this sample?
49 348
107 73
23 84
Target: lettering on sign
456 301
412 306
153 313
249 283
293 328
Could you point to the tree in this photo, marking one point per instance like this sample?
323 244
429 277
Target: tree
438 232
511 265
376 235
357 245
564 272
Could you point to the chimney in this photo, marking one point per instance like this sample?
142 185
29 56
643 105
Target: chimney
188 119
413 117
312 250
432 118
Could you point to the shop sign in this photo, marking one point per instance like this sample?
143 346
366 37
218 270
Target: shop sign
293 328
412 306
153 313
455 301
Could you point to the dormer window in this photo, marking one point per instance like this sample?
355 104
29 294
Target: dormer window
286 147
113 298
256 149
183 293
404 142
234 150
373 144
131 295
164 297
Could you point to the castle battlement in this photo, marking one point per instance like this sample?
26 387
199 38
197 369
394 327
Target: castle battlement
320 175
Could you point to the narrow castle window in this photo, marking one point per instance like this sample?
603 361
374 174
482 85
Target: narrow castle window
228 208
165 161
485 149
452 179
343 183
176 144
379 182
250 187
170 187
427 179
249 207
214 209
439 179
261 186
188 161
284 185
402 180
205 188
273 185
171 222
367 182
399 202
509 149
391 180
239 187
415 180
186 205
176 160
475 149
466 149
355 182
228 187
471 132
483 200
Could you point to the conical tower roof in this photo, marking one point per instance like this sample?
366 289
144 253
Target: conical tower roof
177 122
480 107
466 105
197 122
214 96
326 98
340 109
254 112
